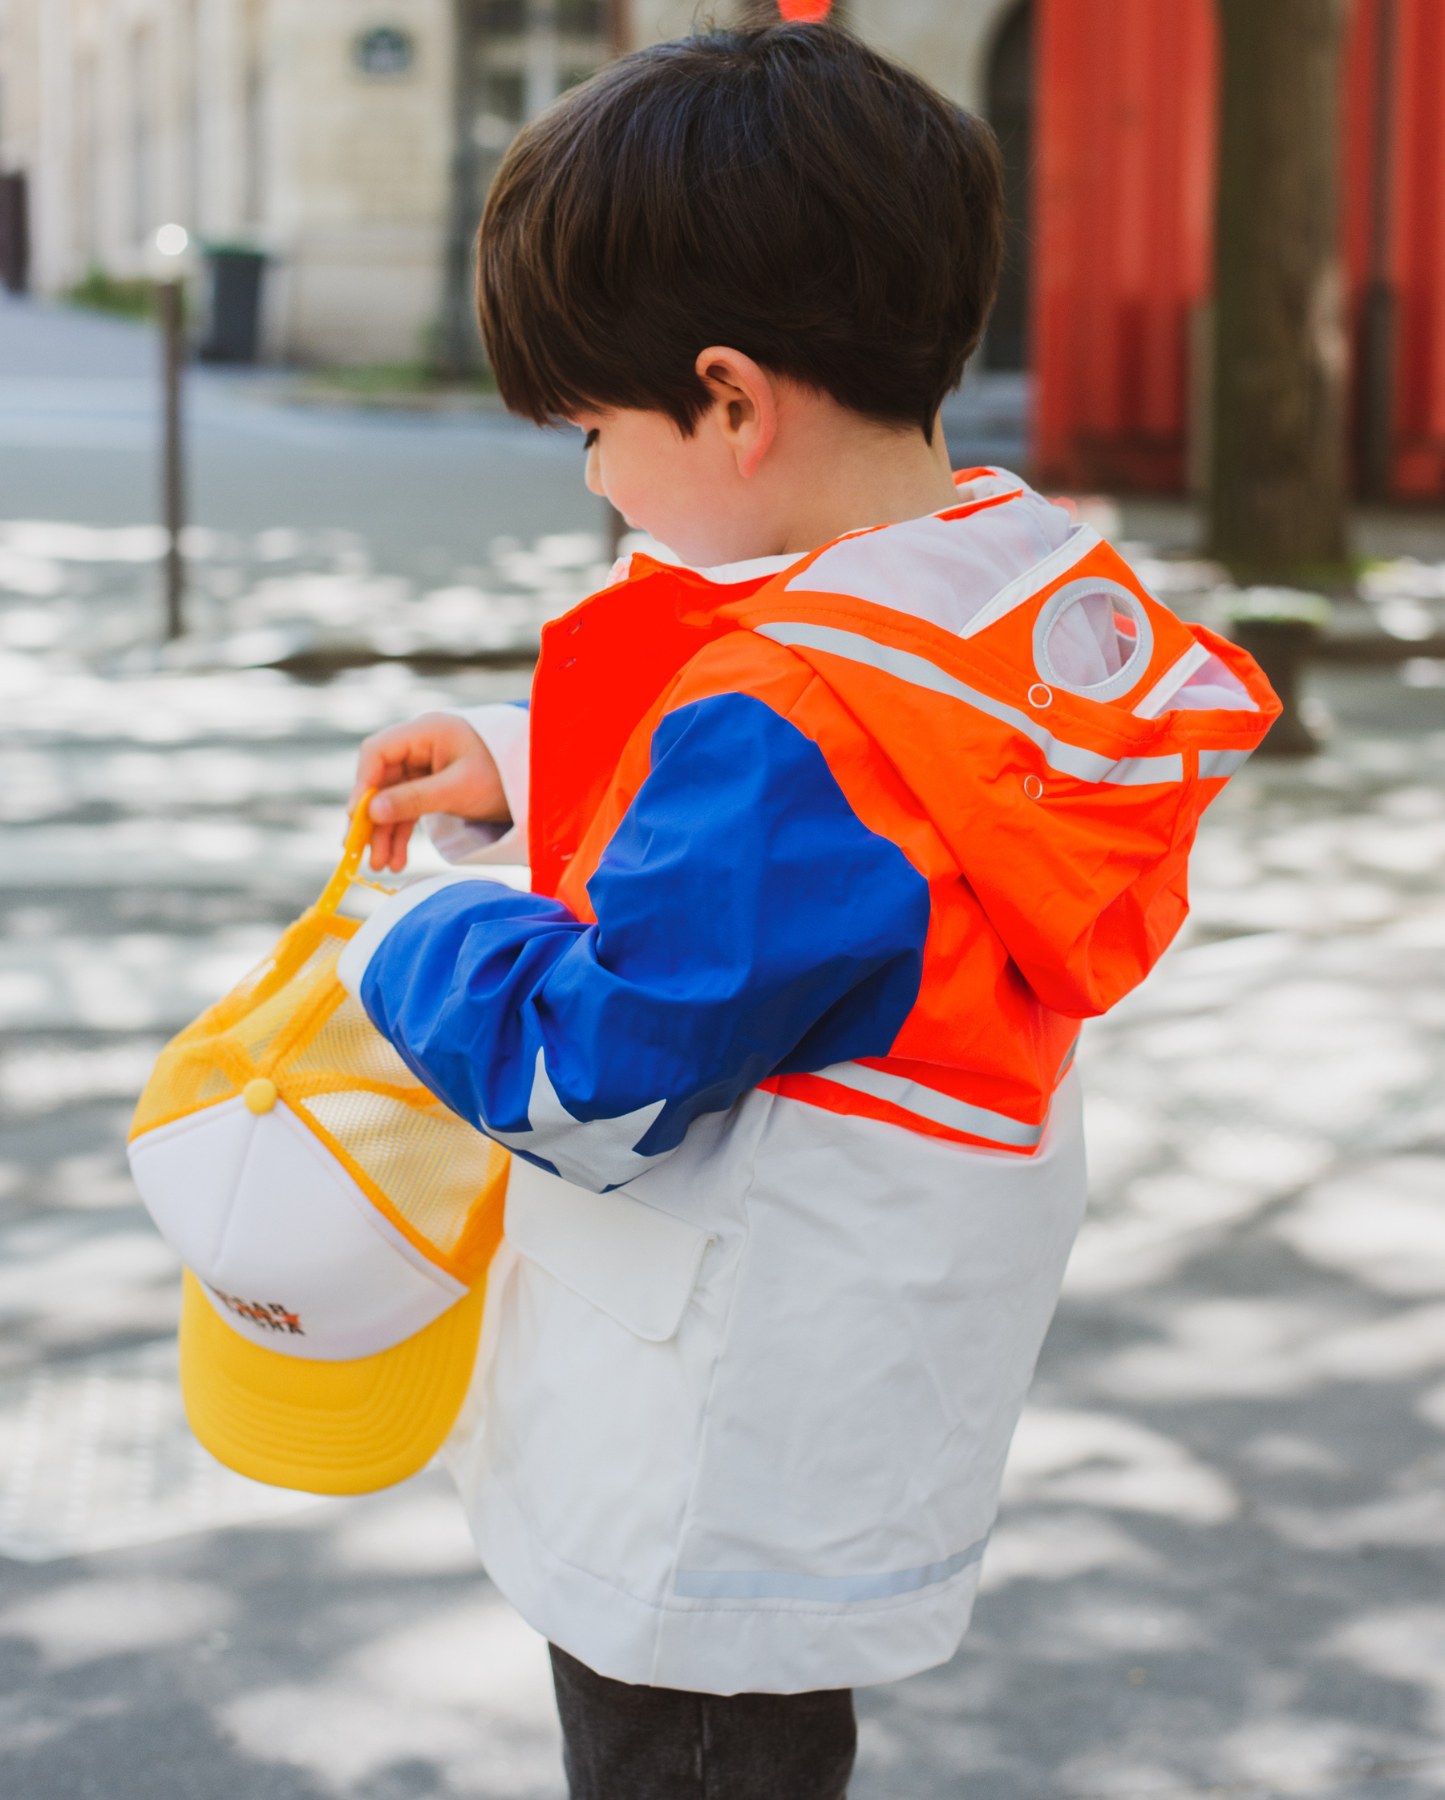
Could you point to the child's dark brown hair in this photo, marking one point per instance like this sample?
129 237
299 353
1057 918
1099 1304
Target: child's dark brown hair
787 192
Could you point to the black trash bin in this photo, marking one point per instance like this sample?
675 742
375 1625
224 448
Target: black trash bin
14 234
233 311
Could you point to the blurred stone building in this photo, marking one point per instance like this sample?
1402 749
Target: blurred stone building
350 140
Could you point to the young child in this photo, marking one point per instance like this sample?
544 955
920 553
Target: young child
836 832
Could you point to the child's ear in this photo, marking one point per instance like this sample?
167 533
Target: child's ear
744 409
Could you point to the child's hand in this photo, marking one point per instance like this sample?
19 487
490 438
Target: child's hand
436 763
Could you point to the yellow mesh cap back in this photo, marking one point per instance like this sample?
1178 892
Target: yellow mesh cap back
290 1032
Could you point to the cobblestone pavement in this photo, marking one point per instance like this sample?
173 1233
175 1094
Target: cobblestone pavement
1218 1566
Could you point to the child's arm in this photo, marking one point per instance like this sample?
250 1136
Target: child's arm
747 922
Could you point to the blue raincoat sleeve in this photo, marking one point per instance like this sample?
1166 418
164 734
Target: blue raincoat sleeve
746 920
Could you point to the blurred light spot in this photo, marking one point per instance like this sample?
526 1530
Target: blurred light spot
1383 1225
1102 1459
97 1618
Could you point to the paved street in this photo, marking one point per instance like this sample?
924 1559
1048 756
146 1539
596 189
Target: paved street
1218 1569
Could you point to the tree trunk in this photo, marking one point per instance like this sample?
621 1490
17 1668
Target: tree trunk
1278 476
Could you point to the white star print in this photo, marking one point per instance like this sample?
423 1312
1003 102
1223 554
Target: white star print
594 1155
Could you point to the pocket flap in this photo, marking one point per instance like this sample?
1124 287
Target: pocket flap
636 1264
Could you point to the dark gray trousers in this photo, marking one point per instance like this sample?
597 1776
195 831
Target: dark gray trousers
621 1742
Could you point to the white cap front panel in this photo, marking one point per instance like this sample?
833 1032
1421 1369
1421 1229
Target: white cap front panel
291 1252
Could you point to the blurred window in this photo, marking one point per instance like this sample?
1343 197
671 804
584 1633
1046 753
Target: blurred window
499 17
520 55
505 93
503 106
579 18
384 50
516 57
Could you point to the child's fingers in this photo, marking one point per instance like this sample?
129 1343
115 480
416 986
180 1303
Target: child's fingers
389 846
470 787
414 747
385 755
373 776
410 799
433 764
433 746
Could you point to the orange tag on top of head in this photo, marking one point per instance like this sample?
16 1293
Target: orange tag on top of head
805 12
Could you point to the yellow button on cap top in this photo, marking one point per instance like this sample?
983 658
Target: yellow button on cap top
259 1095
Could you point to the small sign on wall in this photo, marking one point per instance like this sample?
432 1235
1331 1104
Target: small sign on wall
385 50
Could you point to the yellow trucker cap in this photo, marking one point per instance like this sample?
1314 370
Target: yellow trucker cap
335 1219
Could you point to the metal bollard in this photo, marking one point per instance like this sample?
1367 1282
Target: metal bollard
170 265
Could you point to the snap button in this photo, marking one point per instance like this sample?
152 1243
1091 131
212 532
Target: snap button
1040 696
259 1095
1033 787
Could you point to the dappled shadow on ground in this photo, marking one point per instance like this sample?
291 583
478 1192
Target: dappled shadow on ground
1218 1563
356 1651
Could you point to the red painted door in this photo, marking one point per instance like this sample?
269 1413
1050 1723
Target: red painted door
1395 221
1126 102
1123 201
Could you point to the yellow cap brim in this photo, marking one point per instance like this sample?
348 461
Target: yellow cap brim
325 1427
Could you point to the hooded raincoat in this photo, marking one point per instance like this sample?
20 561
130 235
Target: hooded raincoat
830 857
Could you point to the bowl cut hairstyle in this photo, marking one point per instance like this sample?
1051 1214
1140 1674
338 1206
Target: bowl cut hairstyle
786 192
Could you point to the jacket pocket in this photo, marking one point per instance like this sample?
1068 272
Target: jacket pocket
632 1262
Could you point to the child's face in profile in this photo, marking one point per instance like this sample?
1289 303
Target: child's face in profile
683 491
708 494
770 467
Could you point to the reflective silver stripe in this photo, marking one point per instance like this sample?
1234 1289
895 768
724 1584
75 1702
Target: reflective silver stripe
1068 759
928 1103
1065 1065
783 1584
1145 771
1214 763
1170 682
1075 547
